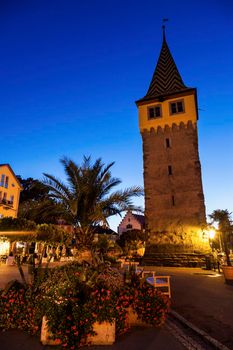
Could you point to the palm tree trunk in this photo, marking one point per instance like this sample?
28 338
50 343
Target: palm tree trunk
21 271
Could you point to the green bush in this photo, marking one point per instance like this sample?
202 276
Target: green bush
16 224
51 233
20 309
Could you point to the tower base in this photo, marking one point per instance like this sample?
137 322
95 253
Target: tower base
179 246
174 259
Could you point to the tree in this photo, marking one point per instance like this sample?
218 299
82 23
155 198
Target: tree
32 190
131 240
87 198
35 203
223 218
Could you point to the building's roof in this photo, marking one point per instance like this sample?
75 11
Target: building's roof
104 230
166 79
11 170
140 219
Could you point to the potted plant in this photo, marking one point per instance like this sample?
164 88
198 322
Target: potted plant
223 218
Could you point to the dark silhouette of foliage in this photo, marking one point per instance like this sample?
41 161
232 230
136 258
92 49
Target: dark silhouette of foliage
223 218
87 198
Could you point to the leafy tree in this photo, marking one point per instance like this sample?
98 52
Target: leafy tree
33 190
87 198
45 211
131 240
223 218
16 224
35 203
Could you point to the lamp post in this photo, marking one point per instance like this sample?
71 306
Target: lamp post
211 236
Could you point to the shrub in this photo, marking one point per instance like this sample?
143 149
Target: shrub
74 297
51 233
150 305
16 224
19 309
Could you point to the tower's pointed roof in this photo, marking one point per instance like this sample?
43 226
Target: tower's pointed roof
166 79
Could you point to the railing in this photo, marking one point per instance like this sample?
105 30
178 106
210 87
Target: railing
6 202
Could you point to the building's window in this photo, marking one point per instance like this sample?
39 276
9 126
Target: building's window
4 197
177 107
173 200
129 226
168 143
169 170
6 182
2 180
11 199
128 219
155 112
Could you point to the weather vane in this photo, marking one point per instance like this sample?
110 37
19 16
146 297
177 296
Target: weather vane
163 26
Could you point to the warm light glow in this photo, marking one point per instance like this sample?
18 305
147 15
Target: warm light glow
20 244
212 233
4 247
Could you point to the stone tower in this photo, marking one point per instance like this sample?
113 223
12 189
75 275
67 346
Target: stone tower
174 200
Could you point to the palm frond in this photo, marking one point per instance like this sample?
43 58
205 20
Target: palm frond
88 194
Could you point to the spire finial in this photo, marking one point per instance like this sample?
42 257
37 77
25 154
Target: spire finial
163 27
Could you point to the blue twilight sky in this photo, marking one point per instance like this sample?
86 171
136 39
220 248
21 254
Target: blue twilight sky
71 70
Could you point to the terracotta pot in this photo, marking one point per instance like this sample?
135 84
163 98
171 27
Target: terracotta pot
105 333
228 273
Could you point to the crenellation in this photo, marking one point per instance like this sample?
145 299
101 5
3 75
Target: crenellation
169 128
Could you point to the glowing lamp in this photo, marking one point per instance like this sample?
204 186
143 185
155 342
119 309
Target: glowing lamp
4 247
211 233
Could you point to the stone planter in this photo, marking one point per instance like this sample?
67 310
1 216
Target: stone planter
228 273
133 319
105 333
46 335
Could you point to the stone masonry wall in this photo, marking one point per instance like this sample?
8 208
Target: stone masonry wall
174 200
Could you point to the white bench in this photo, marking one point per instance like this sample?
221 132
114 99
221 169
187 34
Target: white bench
127 264
161 283
148 273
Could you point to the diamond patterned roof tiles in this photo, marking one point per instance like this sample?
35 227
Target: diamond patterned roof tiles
166 78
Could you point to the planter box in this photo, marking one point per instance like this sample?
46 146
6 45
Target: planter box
46 335
105 334
133 319
228 273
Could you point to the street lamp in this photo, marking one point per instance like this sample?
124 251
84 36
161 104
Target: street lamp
212 233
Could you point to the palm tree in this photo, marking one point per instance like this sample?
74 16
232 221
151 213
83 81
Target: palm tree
223 218
87 198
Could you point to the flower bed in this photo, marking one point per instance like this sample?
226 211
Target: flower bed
19 309
74 299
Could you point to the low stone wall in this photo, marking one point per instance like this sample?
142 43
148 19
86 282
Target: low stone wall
174 259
